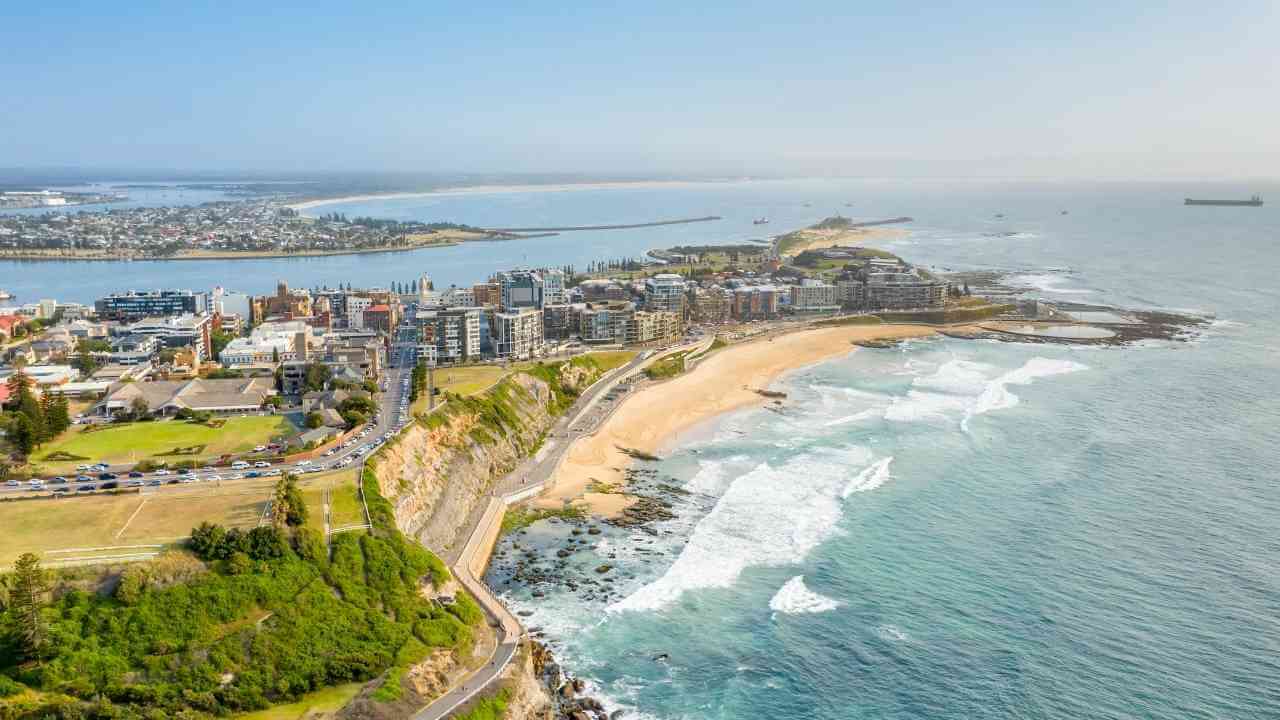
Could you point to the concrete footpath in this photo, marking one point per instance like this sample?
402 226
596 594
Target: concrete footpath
526 481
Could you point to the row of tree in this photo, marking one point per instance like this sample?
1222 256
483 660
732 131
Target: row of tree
32 422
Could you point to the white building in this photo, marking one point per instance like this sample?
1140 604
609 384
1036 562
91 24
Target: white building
268 344
517 334
814 296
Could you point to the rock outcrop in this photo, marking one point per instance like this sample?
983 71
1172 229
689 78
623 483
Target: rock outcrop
441 470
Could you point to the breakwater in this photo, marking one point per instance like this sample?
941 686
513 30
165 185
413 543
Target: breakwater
574 228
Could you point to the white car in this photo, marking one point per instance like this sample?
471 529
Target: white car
303 463
261 464
260 448
160 472
214 478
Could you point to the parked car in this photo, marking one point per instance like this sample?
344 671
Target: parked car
155 483
135 474
260 464
107 476
60 480
161 472
109 485
86 488
253 474
13 483
133 483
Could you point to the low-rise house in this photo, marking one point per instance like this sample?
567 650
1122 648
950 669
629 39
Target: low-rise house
166 398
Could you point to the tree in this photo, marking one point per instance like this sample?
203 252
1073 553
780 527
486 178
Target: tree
19 385
139 409
59 418
30 586
275 356
219 340
316 376
22 434
314 420
288 508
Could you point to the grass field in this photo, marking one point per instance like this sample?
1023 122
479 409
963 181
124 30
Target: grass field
313 706
151 440
105 521
158 518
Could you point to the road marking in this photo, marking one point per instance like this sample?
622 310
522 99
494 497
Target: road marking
129 522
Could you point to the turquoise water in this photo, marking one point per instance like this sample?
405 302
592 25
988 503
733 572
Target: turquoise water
958 529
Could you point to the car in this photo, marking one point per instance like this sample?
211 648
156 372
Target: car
110 485
241 464
107 476
237 476
82 468
154 483
260 464
303 462
185 471
36 485
60 480
172 481
13 483
160 472
135 474
260 448
86 488
187 479
101 466
84 478
214 478
271 472
253 474
133 483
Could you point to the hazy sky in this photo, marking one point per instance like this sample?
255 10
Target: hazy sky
1107 89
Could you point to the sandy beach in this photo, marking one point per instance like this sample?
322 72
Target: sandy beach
814 239
651 419
493 189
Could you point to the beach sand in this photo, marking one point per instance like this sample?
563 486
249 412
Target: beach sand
813 239
725 381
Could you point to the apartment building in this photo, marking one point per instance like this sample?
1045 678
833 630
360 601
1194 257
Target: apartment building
518 334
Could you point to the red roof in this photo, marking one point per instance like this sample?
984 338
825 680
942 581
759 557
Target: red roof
377 308
4 393
9 321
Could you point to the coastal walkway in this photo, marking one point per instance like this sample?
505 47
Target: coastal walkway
528 480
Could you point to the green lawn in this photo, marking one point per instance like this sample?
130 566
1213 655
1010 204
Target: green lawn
318 704
152 440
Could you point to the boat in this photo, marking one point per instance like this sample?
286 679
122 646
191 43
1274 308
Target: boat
760 221
1255 201
6 295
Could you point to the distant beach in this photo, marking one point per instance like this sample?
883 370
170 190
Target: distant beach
725 381
484 189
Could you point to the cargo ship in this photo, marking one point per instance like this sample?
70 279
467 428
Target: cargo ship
1255 201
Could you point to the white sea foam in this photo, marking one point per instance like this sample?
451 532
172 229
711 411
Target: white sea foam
1049 284
871 477
996 395
962 388
794 598
768 517
892 633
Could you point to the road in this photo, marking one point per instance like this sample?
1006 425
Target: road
527 479
390 418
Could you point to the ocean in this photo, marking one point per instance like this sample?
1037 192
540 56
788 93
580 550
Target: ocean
947 529
958 529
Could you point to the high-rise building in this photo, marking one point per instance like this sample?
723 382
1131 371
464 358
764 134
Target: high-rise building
517 334
131 306
521 289
665 292
449 335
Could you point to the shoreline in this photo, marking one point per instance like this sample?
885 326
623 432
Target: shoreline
654 418
497 189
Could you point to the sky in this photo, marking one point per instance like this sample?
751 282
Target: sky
984 89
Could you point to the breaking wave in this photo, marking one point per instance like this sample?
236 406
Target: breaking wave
870 478
794 598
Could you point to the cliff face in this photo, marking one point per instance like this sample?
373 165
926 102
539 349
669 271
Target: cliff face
442 470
